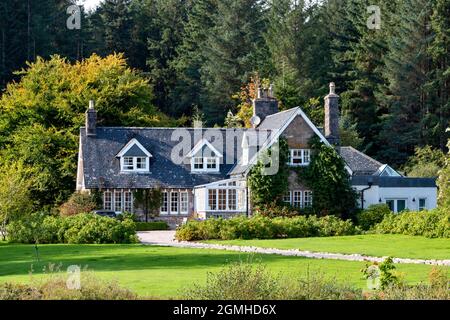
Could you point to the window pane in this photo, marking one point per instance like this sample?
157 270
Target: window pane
422 204
241 200
184 202
287 197
232 199
306 156
164 206
222 199
174 202
401 205
307 199
390 204
211 163
117 201
141 163
107 200
297 199
128 202
198 163
128 163
212 200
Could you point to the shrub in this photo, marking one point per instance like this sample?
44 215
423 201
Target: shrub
238 281
432 224
261 227
55 288
273 210
79 202
247 281
372 215
79 229
149 226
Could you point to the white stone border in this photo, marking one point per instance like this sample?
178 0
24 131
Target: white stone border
296 253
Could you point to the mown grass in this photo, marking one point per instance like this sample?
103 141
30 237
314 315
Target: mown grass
161 272
378 245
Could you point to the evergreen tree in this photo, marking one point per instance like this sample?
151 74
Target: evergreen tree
438 87
191 56
403 94
231 54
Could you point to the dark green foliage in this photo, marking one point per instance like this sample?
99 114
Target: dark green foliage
329 181
149 226
149 199
78 229
265 188
430 224
372 215
426 162
260 227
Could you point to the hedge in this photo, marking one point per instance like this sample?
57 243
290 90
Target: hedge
83 228
260 227
432 224
149 226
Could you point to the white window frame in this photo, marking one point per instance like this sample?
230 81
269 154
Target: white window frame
304 155
297 198
204 165
424 206
165 203
172 202
109 201
118 199
126 168
286 195
184 202
307 194
128 203
396 200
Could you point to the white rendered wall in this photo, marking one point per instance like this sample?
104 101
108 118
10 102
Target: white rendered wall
374 194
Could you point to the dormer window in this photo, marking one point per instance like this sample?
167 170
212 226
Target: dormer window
204 157
134 157
299 157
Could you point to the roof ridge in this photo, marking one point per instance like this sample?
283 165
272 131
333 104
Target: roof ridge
271 115
364 155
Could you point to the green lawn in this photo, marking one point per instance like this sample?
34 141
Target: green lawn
161 272
379 245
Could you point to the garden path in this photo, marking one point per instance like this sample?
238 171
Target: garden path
167 239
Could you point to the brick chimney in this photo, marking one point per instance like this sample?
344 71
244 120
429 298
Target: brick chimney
332 116
91 120
264 105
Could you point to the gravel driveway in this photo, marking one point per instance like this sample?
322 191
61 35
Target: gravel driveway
166 238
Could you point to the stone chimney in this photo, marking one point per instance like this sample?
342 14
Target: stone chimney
91 119
264 105
332 116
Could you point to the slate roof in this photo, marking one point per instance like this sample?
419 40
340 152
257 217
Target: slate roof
360 163
277 120
394 182
102 168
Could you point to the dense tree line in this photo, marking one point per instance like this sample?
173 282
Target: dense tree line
393 80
